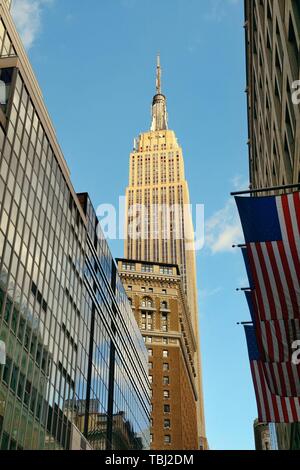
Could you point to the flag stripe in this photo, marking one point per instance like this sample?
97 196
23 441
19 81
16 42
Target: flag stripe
287 203
271 407
269 288
294 205
275 338
265 405
282 378
289 312
274 266
257 282
269 278
296 219
266 278
281 340
261 408
290 237
289 278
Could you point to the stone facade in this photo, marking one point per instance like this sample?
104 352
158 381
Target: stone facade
158 302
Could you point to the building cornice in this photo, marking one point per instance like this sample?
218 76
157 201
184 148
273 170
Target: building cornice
164 280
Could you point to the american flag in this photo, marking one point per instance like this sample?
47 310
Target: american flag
272 408
274 341
271 227
272 233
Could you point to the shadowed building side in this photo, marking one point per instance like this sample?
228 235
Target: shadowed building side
272 33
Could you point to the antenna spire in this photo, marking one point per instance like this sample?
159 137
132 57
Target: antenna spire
159 104
158 76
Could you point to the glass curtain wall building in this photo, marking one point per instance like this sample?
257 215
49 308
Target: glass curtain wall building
75 359
116 380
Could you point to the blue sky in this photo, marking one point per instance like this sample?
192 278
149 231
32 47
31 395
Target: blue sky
95 61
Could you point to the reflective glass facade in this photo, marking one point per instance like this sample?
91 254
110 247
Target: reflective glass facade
114 390
74 354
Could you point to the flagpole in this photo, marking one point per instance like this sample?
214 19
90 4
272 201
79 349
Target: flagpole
265 190
245 323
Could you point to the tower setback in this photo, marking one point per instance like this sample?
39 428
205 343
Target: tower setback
159 226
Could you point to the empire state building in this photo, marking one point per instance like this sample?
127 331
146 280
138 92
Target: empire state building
159 227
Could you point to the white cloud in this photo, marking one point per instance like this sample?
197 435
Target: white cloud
239 183
223 229
27 16
206 293
217 9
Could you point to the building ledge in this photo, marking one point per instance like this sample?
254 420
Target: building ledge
9 62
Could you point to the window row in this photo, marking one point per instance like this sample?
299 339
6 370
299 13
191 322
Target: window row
167 438
167 423
165 352
144 289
